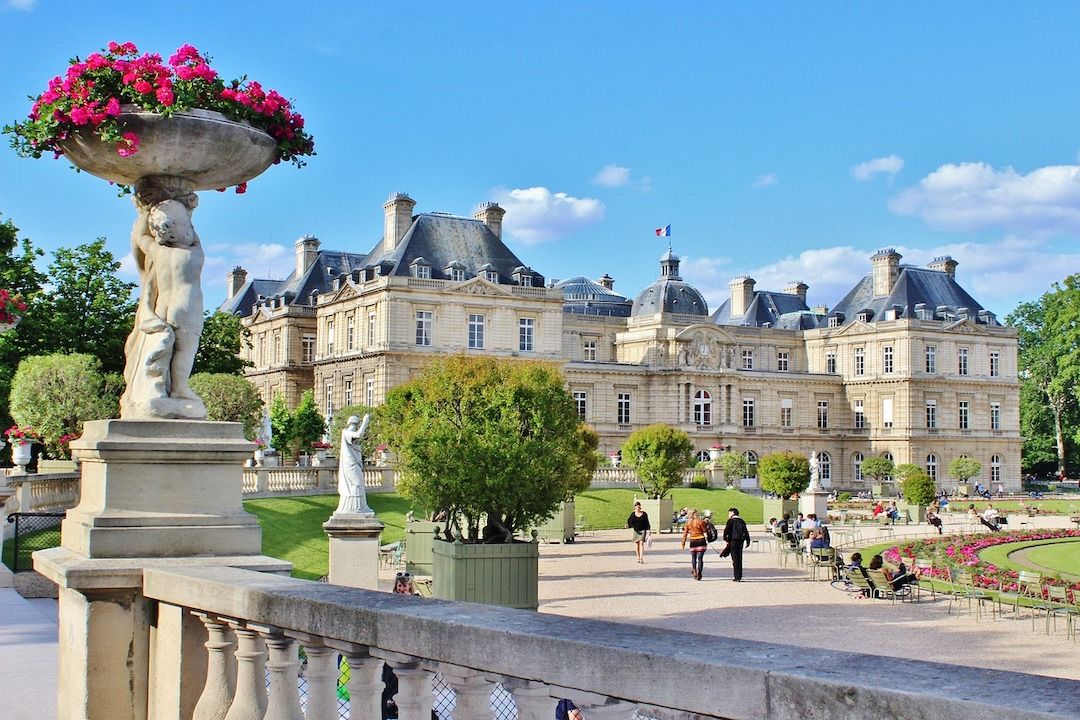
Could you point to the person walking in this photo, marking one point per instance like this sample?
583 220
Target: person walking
639 523
695 530
737 536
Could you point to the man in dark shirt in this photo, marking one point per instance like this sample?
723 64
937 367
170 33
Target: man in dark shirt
737 536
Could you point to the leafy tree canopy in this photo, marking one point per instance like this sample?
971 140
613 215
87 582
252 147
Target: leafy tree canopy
223 337
733 465
919 488
281 427
963 468
878 468
659 454
784 473
905 470
308 424
482 437
19 276
230 398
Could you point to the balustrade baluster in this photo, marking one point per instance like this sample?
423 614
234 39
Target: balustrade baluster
283 702
249 701
533 699
365 684
322 676
414 697
472 690
217 694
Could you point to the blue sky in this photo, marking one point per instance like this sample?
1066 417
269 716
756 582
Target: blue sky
787 141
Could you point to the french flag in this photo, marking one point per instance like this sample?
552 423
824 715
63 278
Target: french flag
663 232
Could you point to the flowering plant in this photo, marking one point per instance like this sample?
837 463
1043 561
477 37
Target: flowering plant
11 308
94 91
64 445
260 444
321 445
717 446
22 435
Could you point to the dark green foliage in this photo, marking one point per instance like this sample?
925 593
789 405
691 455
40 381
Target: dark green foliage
659 454
230 398
222 339
919 488
784 473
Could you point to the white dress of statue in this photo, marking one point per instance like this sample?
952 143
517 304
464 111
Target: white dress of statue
815 479
351 469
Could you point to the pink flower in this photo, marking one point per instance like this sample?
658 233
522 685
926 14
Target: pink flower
112 108
128 146
141 86
241 188
165 96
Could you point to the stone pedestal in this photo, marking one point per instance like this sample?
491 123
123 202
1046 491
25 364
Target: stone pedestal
817 502
354 549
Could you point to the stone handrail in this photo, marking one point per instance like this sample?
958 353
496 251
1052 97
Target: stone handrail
279 481
42 493
607 477
251 624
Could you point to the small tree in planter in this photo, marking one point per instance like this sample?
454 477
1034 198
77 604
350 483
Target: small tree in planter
659 454
964 468
919 491
733 466
784 473
878 469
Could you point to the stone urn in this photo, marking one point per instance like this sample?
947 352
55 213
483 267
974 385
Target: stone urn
714 454
21 453
260 457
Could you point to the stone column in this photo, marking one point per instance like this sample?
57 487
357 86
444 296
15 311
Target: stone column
354 549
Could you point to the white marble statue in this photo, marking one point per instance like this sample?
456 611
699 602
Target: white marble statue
161 347
815 478
351 469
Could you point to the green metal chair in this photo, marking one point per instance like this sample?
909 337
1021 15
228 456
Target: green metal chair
1057 603
1029 588
823 558
966 591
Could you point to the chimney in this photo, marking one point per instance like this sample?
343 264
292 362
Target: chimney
397 217
307 249
235 280
491 215
944 264
607 282
797 288
742 294
886 264
820 309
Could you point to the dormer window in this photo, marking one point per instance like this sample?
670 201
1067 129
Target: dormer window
457 275
526 280
420 268
491 276
864 316
834 322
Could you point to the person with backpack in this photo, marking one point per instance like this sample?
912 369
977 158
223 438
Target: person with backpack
695 531
737 536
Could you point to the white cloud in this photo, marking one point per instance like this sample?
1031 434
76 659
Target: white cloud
888 165
612 176
766 180
975 196
21 4
261 260
536 214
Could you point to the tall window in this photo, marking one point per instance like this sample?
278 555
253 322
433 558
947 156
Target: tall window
931 413
856 466
525 334
457 275
963 415
785 412
371 330
329 337
995 469
860 414
623 408
369 392
350 330
995 364
887 359
824 467
823 414
702 408
263 359
329 398
931 359
931 466
747 359
581 399
860 361
782 360
423 327
962 361
277 347
995 416
348 392
588 349
748 412
830 362
476 331
751 463
886 412
307 348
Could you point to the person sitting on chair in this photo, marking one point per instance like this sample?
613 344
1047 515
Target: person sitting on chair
989 518
933 519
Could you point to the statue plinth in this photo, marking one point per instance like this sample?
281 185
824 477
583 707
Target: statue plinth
354 549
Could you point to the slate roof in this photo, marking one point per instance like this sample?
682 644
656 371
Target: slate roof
328 264
588 297
777 309
443 239
932 288
670 294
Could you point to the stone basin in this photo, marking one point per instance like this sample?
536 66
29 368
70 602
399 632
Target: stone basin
203 147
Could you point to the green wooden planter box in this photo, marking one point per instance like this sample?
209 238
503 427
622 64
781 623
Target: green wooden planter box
419 535
560 528
775 508
659 512
505 574
917 513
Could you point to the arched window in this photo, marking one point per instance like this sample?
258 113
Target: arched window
824 468
931 466
995 469
702 408
751 463
888 456
702 456
856 466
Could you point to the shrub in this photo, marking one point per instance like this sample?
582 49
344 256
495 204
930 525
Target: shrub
963 468
784 473
230 398
659 454
734 467
699 482
919 488
843 497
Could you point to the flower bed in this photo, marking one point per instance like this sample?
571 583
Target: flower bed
950 551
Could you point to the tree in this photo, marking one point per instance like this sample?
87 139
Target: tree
281 430
905 470
483 437
784 473
919 488
963 468
92 309
659 454
222 339
733 466
308 424
56 394
230 398
878 468
1048 333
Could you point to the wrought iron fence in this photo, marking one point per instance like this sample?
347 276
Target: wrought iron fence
33 531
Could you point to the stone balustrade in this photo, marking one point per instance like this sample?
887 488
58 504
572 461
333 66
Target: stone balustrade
228 630
44 493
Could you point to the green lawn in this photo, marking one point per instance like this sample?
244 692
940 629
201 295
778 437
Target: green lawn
604 509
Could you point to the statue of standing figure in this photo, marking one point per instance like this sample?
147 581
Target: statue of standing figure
351 468
815 478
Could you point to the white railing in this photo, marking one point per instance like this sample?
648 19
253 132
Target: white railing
609 477
43 493
227 644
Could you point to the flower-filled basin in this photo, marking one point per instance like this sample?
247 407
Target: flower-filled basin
201 146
